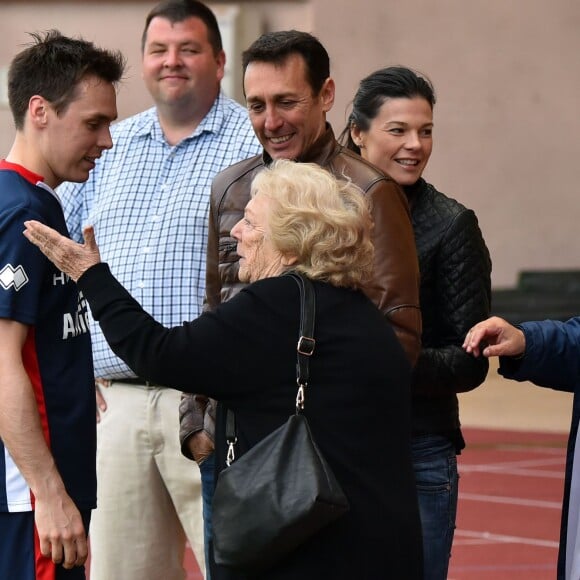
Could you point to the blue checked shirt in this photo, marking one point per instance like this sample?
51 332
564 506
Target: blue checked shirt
149 203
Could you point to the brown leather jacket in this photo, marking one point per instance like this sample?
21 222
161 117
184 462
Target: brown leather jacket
395 287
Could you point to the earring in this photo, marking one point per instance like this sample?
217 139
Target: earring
361 145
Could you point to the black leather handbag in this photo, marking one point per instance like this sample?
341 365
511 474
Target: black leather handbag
282 491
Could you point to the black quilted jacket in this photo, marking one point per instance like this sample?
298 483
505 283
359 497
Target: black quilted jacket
455 294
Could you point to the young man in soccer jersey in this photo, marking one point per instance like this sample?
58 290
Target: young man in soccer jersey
62 97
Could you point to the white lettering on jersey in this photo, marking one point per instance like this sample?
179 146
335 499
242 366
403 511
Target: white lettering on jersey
68 326
77 322
60 278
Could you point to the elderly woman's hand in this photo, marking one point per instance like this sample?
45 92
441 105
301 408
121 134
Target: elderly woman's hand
68 256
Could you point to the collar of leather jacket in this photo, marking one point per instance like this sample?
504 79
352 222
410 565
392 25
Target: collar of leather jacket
320 152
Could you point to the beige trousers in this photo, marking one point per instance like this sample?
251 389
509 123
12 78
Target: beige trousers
148 494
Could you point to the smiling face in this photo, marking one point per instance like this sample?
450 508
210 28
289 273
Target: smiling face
399 140
287 118
258 257
71 141
179 63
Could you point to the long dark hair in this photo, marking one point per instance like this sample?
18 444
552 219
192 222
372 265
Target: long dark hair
393 82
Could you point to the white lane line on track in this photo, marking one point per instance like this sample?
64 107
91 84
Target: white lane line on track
530 467
537 449
545 462
556 505
505 471
488 537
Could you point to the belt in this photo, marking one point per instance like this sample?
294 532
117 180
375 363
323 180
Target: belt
136 381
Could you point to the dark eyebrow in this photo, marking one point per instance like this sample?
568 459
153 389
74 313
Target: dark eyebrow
101 118
188 43
406 124
276 97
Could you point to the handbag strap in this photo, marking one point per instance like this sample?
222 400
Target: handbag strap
304 349
306 342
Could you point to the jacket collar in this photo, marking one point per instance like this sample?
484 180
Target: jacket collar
322 150
413 192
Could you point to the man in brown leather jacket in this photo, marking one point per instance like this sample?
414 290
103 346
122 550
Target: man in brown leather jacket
288 91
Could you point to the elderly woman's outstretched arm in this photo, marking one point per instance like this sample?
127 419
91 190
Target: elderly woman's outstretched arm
184 357
71 258
129 322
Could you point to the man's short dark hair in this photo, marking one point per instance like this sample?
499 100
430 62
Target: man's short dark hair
52 67
276 47
180 10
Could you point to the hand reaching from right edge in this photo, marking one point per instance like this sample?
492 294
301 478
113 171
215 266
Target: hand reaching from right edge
495 337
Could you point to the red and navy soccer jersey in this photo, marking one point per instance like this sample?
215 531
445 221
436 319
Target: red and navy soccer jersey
57 352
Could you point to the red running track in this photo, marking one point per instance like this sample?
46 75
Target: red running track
510 495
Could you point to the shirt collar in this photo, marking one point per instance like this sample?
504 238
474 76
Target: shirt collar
211 123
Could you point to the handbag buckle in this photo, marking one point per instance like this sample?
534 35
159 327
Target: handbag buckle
300 396
306 345
231 453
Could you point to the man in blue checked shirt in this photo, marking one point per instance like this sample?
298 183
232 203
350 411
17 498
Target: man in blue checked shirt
148 199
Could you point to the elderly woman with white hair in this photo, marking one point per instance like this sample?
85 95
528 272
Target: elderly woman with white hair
358 402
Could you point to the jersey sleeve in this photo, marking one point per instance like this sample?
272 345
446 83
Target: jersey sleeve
22 268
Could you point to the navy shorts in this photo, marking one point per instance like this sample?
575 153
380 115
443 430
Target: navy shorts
20 556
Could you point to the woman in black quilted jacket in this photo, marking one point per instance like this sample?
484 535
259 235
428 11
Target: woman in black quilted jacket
391 125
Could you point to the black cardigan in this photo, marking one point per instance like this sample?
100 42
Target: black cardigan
244 353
